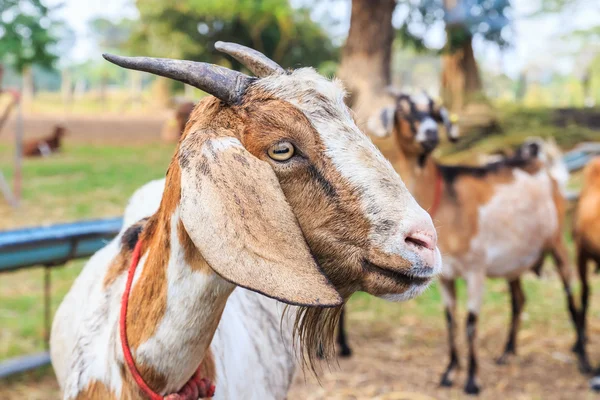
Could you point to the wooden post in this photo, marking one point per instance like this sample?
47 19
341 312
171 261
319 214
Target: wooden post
18 154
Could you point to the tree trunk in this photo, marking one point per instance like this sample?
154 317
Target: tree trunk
66 88
161 92
460 77
365 66
28 86
136 88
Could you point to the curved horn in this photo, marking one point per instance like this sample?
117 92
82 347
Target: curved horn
225 84
255 61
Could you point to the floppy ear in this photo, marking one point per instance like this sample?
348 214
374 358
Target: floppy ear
237 216
382 123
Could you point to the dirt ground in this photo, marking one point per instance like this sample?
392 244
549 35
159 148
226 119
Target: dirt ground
107 129
389 363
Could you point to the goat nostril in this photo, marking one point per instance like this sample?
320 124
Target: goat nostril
416 242
421 240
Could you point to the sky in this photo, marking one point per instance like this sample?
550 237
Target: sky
537 42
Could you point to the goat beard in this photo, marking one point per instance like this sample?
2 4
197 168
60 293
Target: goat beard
314 330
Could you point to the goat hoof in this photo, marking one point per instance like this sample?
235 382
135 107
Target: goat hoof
446 381
595 383
345 352
505 358
471 388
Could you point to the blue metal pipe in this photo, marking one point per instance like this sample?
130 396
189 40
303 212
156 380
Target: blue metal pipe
18 365
56 244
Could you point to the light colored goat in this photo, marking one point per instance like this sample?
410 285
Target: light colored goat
495 221
272 188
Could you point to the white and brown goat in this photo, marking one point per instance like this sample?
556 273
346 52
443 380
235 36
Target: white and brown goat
493 221
272 188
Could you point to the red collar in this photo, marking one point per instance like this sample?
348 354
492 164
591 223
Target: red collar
437 194
135 258
152 395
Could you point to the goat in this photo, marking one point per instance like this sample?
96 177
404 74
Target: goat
477 235
586 232
272 188
46 145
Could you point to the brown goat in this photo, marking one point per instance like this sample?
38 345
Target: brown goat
46 145
586 232
495 220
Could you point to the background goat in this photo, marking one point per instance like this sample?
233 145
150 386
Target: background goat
272 188
46 145
479 235
586 232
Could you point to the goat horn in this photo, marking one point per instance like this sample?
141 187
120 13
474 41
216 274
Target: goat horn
225 84
255 61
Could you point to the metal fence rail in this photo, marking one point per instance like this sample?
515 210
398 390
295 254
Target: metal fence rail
49 247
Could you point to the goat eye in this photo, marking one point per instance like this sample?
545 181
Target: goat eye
282 151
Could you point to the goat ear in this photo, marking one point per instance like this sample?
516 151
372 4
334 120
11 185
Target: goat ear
382 123
238 217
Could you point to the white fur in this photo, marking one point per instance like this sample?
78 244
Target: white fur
425 125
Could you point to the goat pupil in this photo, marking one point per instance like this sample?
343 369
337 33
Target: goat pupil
282 150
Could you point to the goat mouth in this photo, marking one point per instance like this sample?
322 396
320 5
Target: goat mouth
405 278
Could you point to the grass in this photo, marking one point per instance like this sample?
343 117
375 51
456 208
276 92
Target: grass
84 181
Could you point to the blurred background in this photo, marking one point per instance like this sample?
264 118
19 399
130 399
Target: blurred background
508 69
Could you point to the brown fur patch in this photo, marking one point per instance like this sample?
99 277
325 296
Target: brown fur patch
95 390
587 215
118 266
148 299
191 254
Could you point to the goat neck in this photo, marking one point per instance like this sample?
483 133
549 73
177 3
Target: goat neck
176 301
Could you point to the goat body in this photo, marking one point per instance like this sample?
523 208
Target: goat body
497 220
44 146
586 232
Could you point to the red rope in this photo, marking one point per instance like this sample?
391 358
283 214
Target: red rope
207 389
437 195
135 258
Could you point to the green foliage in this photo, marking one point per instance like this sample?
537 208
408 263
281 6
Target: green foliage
109 35
189 28
27 34
486 18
